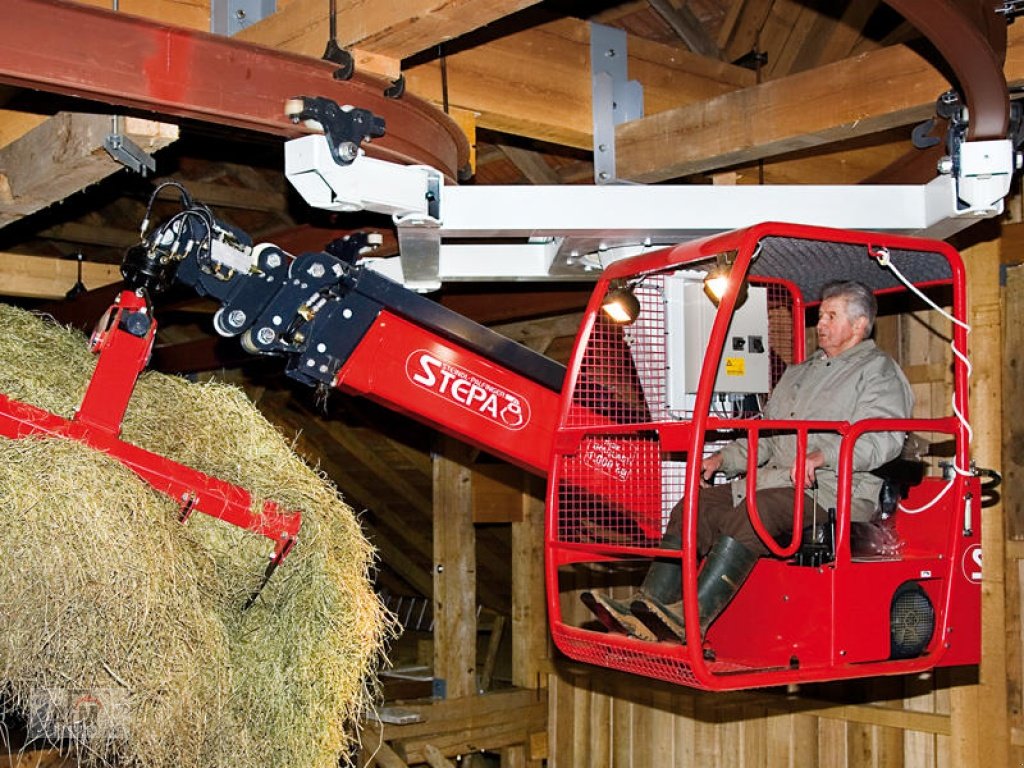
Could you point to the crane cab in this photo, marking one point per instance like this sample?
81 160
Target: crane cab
646 399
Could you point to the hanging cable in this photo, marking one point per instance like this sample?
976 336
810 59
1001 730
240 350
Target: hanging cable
444 78
884 259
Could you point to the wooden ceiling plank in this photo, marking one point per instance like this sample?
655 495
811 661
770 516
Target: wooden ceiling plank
392 30
781 35
531 164
689 28
902 34
40 277
536 83
836 41
808 26
876 91
741 31
64 155
91 234
226 196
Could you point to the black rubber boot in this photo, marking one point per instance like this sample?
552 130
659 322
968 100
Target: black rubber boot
659 603
726 568
664 580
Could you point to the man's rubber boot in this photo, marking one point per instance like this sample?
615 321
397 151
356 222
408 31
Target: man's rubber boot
665 622
658 605
727 566
615 616
725 569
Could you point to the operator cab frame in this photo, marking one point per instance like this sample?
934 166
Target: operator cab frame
630 419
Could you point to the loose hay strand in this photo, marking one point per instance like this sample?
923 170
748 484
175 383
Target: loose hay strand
104 590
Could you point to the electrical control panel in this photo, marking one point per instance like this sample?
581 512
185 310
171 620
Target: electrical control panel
689 315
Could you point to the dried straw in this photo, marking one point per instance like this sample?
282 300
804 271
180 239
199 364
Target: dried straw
101 588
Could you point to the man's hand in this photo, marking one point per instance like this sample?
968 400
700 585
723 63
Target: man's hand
812 462
709 466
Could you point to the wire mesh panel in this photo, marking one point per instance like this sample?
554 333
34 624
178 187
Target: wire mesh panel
609 491
595 649
619 375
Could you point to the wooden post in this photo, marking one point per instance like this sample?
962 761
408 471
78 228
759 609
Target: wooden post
1013 498
979 728
1013 392
530 650
454 572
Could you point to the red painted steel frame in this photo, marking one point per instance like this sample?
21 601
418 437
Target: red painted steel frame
97 423
835 644
130 61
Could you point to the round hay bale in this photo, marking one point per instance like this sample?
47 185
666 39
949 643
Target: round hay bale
103 593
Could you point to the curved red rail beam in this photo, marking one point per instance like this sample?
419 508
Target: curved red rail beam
130 61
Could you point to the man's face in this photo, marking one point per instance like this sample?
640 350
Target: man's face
836 332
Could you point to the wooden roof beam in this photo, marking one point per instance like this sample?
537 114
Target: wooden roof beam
689 28
867 94
531 164
536 83
381 34
62 156
41 277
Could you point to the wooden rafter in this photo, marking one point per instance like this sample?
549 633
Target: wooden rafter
382 33
685 24
536 83
832 40
741 30
40 277
856 97
531 164
91 234
62 156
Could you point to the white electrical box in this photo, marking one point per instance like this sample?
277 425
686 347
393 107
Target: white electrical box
689 315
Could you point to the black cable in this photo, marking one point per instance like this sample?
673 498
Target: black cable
444 78
186 202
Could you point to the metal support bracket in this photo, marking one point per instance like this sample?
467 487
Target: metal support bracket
229 17
615 98
127 152
419 251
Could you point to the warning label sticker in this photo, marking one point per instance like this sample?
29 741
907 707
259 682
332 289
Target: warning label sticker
735 366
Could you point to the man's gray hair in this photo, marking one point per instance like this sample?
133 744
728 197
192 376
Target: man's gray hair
860 301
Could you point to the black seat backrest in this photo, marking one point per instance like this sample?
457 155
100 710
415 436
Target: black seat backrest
898 477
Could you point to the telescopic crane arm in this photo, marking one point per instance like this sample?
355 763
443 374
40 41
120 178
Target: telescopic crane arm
345 326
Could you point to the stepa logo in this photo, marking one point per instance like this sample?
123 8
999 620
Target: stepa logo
468 390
